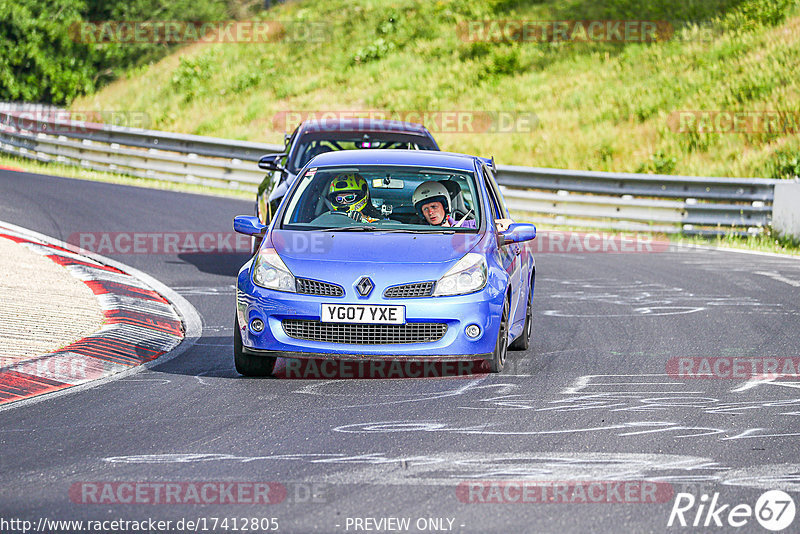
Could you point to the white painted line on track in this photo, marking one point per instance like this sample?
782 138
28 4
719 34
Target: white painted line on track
779 278
739 251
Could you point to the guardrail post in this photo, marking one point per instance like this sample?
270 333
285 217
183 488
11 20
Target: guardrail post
786 208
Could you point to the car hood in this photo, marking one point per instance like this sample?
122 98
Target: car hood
300 247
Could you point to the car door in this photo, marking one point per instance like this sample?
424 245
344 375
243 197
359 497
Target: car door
510 254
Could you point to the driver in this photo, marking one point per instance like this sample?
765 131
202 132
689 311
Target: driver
349 194
432 202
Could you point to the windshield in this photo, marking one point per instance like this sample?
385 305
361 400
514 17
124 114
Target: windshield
314 145
382 198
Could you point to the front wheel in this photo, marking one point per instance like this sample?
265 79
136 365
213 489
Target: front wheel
246 364
498 360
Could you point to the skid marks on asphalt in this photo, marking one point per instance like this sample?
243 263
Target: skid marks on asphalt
649 393
683 472
397 392
581 298
651 404
638 395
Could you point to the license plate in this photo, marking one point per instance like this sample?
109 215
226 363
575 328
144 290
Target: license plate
363 313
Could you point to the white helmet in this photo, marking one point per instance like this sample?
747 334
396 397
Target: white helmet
430 191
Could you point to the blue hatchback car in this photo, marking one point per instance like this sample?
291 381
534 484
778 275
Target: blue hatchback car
393 254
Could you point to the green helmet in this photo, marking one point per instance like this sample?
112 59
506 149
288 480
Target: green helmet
348 192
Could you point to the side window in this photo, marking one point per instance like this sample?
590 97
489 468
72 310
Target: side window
491 185
493 208
493 203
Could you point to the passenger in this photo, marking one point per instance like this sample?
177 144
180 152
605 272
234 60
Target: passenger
349 194
432 203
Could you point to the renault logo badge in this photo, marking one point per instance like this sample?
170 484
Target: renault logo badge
364 286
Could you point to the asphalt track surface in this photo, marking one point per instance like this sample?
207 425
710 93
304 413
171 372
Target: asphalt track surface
589 401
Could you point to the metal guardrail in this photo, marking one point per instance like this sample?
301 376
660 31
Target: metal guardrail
43 135
663 203
634 202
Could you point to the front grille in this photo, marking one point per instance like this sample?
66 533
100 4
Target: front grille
315 287
410 291
364 334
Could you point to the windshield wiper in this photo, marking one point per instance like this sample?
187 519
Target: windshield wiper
409 231
348 229
370 228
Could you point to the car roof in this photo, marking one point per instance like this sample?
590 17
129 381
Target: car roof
428 158
360 125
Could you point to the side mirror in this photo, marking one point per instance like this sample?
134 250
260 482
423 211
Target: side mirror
270 162
519 232
248 225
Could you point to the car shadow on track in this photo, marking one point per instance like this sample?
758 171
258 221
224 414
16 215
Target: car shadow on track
212 357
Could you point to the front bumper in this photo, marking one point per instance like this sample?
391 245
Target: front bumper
482 308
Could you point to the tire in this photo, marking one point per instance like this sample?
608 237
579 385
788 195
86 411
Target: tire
246 364
498 360
524 340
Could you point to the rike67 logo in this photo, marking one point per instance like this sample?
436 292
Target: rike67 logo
774 510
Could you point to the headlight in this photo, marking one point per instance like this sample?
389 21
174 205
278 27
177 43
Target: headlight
466 276
269 271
